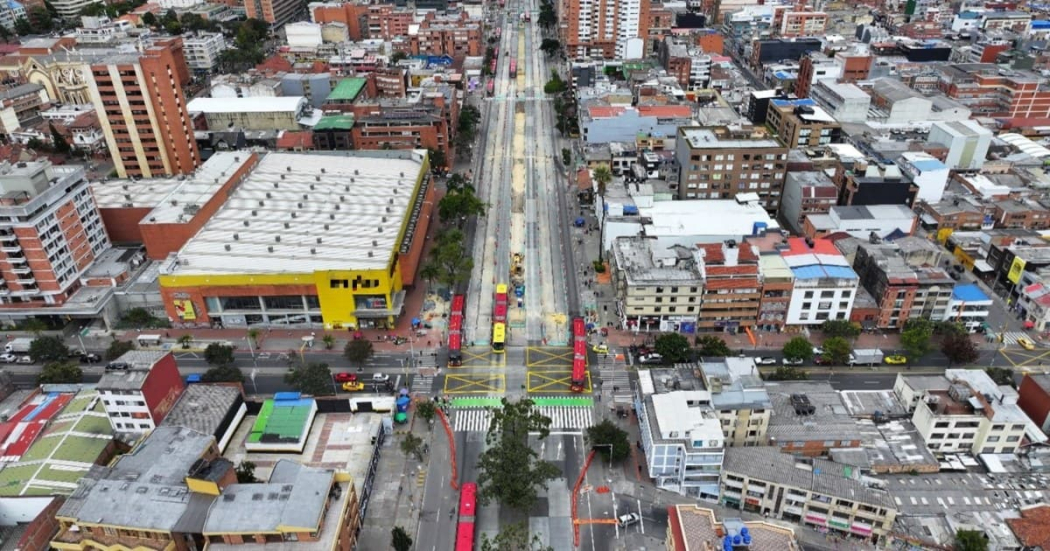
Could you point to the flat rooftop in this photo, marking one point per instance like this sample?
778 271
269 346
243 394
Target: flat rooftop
141 362
829 421
202 407
270 104
301 213
707 138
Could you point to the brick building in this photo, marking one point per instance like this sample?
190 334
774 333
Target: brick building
1034 399
732 289
452 35
719 162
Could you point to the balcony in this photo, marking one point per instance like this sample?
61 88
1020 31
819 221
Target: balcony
8 237
27 280
16 260
22 270
10 247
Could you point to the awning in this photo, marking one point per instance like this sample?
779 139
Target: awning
981 266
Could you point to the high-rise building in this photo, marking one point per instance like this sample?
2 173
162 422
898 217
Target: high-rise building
613 29
274 12
722 161
143 110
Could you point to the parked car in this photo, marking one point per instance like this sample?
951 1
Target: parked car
380 378
896 359
90 358
652 358
818 351
117 366
25 360
8 358
345 377
1025 343
765 361
628 519
600 349
353 386
820 360
791 361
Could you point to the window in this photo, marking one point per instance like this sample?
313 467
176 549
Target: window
809 294
1013 438
993 439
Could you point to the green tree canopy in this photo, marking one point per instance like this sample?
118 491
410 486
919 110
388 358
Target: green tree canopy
456 206
412 445
1001 375
311 378
713 347
60 373
786 373
550 46
246 473
840 328
509 470
970 540
798 348
673 347
450 258
223 374
218 354
915 338
959 348
48 349
836 350
606 434
602 176
117 349
426 409
358 351
400 540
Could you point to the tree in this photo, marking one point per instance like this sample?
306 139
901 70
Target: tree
426 409
58 373
5 33
450 258
218 355
48 349
970 540
566 156
547 18
358 351
400 540
836 350
550 46
673 347
949 328
915 339
246 473
602 176
412 445
40 19
119 348
959 348
329 341
36 326
555 85
397 57
712 347
149 20
437 160
798 348
606 433
1000 375
311 378
509 470
223 374
185 341
58 141
23 27
840 328
430 273
253 335
513 537
459 204
787 373
137 317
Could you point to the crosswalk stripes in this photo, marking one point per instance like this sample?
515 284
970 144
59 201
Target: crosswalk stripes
615 378
423 383
563 418
1010 337
421 478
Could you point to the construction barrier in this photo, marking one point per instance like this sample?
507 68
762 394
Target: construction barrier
451 447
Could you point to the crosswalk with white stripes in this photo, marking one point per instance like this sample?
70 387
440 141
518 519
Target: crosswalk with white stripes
1010 337
423 383
563 418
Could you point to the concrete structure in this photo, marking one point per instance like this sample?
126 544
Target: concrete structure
926 172
307 240
897 104
824 284
720 162
691 527
902 288
129 86
815 67
138 397
737 392
1033 397
802 123
656 289
846 102
973 415
281 113
819 493
803 23
604 124
777 282
682 439
50 235
865 181
303 36
215 409
968 306
862 222
810 419
967 143
274 12
732 287
603 30
805 194
202 50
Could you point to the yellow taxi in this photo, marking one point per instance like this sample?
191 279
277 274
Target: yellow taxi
353 386
896 359
600 349
1025 343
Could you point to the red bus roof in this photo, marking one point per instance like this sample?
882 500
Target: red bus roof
458 301
455 341
455 322
468 494
499 313
579 328
465 536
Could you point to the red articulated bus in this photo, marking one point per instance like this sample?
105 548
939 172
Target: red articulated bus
491 86
465 527
492 67
579 355
499 318
455 329
495 52
513 68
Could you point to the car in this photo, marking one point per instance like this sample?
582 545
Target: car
791 361
8 358
345 377
353 386
90 358
25 360
653 358
821 360
895 359
765 361
1025 343
600 349
818 351
626 520
117 366
380 378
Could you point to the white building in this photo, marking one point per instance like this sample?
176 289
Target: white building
968 306
846 102
70 9
303 35
682 439
11 11
861 222
202 50
926 172
141 391
972 414
178 4
967 143
825 285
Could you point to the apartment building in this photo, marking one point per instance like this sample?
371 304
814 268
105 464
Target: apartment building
722 161
802 123
873 183
139 396
681 436
987 90
452 35
657 289
815 67
202 50
904 289
1034 399
143 110
50 235
614 29
732 289
739 396
803 23
955 212
778 281
972 414
403 127
817 493
824 284
806 193
968 306
274 12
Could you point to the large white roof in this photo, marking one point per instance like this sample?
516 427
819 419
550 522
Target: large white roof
301 213
279 104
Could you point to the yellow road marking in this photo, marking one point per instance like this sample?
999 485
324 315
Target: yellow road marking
560 356
475 384
1025 358
558 382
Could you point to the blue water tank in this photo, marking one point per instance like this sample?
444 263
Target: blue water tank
737 540
744 531
747 540
630 209
758 228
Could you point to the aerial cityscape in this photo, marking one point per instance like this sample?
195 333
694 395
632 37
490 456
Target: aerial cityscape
524 275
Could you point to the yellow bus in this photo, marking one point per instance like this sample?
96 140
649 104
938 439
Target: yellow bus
499 337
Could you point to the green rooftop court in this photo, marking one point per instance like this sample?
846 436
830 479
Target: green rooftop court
335 122
93 425
282 424
346 91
